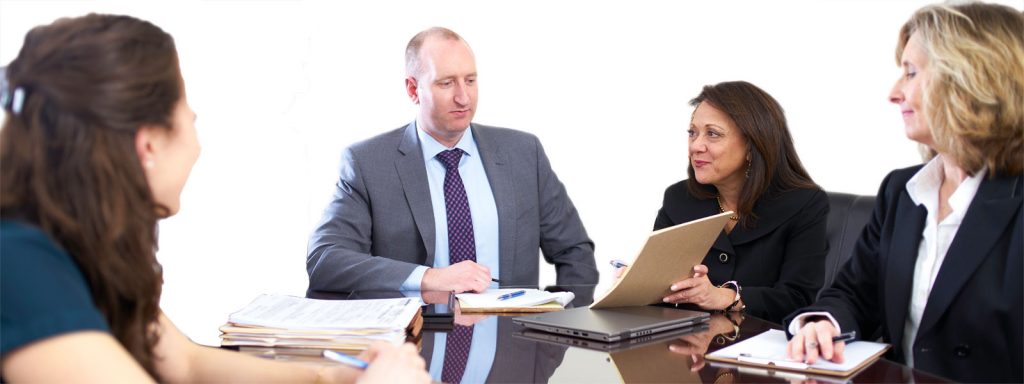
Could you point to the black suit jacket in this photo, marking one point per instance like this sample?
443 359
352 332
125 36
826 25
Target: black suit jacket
972 328
780 261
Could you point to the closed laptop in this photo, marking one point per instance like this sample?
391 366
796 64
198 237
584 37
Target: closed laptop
613 324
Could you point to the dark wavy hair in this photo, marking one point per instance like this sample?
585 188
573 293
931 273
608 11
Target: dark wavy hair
69 161
774 164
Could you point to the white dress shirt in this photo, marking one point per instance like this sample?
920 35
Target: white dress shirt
923 189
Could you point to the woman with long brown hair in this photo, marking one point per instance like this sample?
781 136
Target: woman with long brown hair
769 258
96 146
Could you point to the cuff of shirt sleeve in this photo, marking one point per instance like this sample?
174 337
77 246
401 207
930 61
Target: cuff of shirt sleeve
798 321
415 279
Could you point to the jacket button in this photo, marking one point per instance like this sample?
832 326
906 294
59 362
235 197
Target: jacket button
924 350
723 258
962 350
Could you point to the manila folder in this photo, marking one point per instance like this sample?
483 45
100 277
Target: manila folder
667 257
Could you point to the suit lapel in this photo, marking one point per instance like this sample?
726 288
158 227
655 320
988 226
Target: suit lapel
499 174
987 218
902 253
413 175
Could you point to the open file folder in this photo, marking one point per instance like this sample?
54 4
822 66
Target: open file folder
768 350
668 256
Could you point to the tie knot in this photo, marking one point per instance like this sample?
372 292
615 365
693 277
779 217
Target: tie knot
450 158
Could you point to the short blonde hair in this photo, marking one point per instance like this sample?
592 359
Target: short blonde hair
974 99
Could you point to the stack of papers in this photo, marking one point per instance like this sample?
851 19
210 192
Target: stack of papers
531 300
346 325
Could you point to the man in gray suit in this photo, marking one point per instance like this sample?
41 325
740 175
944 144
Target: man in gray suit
404 194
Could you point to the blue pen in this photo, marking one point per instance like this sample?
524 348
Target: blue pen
345 359
617 264
511 295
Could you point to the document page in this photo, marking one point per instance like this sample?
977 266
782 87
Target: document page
289 312
529 298
769 348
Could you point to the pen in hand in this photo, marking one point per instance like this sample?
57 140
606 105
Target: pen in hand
345 359
617 264
511 295
847 337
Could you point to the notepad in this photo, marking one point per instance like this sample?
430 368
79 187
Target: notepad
532 300
768 350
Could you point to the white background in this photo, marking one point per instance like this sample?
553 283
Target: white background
281 87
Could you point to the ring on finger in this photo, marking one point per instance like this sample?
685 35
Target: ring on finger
812 344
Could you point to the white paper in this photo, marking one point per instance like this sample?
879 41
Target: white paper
532 297
771 345
289 312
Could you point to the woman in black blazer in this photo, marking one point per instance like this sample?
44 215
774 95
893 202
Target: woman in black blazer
938 270
770 257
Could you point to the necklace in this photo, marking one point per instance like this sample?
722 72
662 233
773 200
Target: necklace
721 207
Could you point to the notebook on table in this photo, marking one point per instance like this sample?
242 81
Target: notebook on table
613 324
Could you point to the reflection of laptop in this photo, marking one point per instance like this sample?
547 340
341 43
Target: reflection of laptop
612 324
554 338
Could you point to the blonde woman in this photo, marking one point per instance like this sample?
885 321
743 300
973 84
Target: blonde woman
938 270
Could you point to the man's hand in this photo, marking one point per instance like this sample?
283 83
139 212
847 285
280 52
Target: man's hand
464 276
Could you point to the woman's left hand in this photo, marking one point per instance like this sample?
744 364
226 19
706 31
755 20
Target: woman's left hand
698 290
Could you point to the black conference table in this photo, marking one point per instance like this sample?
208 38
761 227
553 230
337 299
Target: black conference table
521 355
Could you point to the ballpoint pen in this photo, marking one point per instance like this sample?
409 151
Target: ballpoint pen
847 337
345 359
617 264
511 295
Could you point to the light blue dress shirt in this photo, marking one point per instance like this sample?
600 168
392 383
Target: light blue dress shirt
481 352
481 205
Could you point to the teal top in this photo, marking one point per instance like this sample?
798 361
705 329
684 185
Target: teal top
42 291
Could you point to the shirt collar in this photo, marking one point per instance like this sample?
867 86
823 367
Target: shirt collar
431 147
923 187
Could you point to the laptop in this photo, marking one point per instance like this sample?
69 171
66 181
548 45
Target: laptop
612 324
559 339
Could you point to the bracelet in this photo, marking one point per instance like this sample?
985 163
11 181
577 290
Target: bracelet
738 289
722 338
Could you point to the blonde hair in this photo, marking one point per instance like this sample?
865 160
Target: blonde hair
974 98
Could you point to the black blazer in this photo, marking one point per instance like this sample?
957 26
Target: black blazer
779 262
972 328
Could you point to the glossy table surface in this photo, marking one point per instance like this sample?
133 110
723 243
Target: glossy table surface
521 355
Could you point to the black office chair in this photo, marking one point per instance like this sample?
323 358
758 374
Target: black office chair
848 214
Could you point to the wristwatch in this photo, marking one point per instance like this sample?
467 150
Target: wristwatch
733 285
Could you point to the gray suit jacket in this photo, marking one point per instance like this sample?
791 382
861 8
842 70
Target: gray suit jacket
380 224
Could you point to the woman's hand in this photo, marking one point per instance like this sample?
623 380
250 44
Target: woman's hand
698 290
696 344
393 364
813 340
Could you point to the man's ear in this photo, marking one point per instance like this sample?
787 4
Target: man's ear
146 145
412 89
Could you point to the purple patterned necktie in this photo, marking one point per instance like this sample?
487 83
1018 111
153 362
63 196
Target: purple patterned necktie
461 243
461 246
